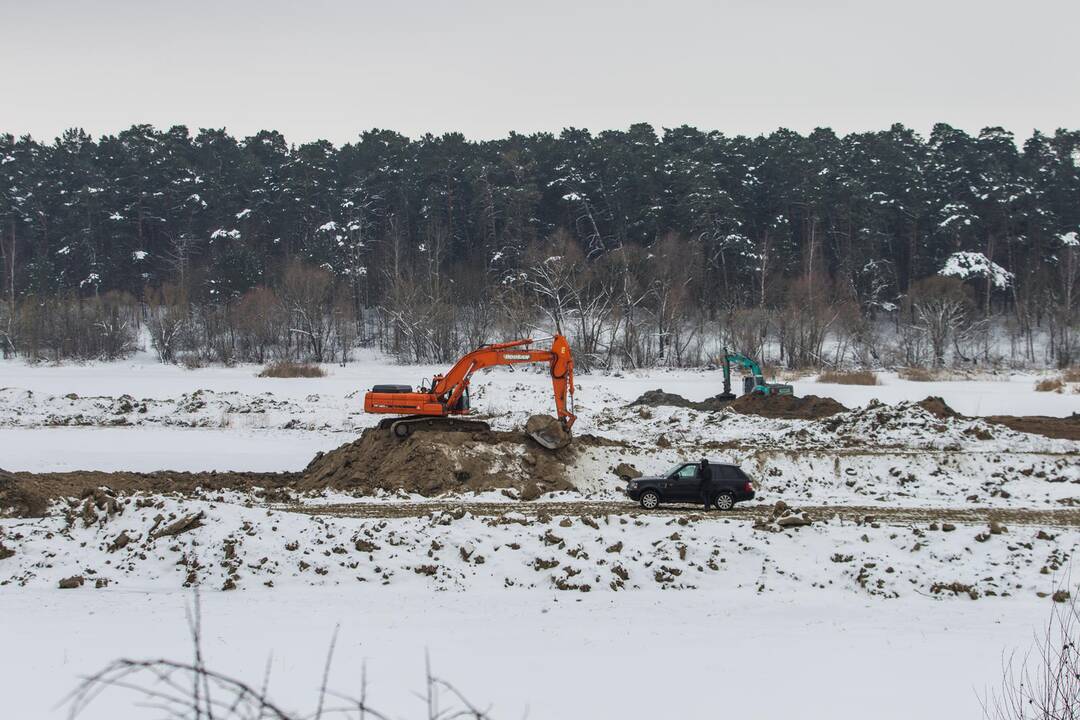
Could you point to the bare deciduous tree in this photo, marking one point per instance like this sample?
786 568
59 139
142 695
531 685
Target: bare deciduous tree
307 295
191 690
940 308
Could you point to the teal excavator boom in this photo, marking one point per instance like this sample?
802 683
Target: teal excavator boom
753 378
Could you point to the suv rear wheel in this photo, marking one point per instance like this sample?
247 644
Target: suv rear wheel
650 499
725 501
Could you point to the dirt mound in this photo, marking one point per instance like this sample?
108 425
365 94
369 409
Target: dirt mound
18 500
1067 428
28 494
433 462
938 407
787 407
659 398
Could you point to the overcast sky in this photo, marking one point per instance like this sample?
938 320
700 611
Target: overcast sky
332 68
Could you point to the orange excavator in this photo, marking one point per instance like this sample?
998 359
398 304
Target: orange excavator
433 408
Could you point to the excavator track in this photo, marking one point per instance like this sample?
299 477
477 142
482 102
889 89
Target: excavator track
403 427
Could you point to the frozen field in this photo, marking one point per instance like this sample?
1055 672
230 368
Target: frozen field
682 617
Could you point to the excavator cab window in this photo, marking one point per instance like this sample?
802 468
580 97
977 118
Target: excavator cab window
462 404
748 384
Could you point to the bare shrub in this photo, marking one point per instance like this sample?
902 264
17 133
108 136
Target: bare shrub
69 327
917 374
289 369
1053 384
853 377
1071 375
190 689
1044 684
191 361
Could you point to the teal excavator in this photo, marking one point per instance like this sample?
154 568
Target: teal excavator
753 379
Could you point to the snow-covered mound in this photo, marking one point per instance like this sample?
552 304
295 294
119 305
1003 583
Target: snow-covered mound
157 542
200 408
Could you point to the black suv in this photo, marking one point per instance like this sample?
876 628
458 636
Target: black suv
680 484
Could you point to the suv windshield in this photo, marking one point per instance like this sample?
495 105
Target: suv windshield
684 470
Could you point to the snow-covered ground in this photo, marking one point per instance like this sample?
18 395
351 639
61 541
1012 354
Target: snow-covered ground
538 655
683 617
153 448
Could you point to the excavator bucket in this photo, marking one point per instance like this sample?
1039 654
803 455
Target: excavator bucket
548 431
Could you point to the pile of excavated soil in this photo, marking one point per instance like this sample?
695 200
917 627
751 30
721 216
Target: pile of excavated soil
433 462
19 500
787 407
658 398
1067 428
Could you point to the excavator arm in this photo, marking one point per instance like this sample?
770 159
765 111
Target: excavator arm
453 384
448 391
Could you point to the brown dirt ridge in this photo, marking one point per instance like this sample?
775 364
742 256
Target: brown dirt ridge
786 407
25 494
1067 428
659 398
812 407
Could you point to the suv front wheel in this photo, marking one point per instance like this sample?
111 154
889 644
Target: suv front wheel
725 501
650 499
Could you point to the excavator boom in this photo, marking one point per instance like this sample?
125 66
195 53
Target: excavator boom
448 394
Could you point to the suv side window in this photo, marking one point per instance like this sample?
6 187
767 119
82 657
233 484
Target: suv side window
730 472
687 471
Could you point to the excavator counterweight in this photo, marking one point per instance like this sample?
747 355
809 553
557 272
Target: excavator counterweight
442 404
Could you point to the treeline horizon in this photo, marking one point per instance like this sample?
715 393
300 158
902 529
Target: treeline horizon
644 247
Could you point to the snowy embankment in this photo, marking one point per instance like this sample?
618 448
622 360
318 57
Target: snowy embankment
162 543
